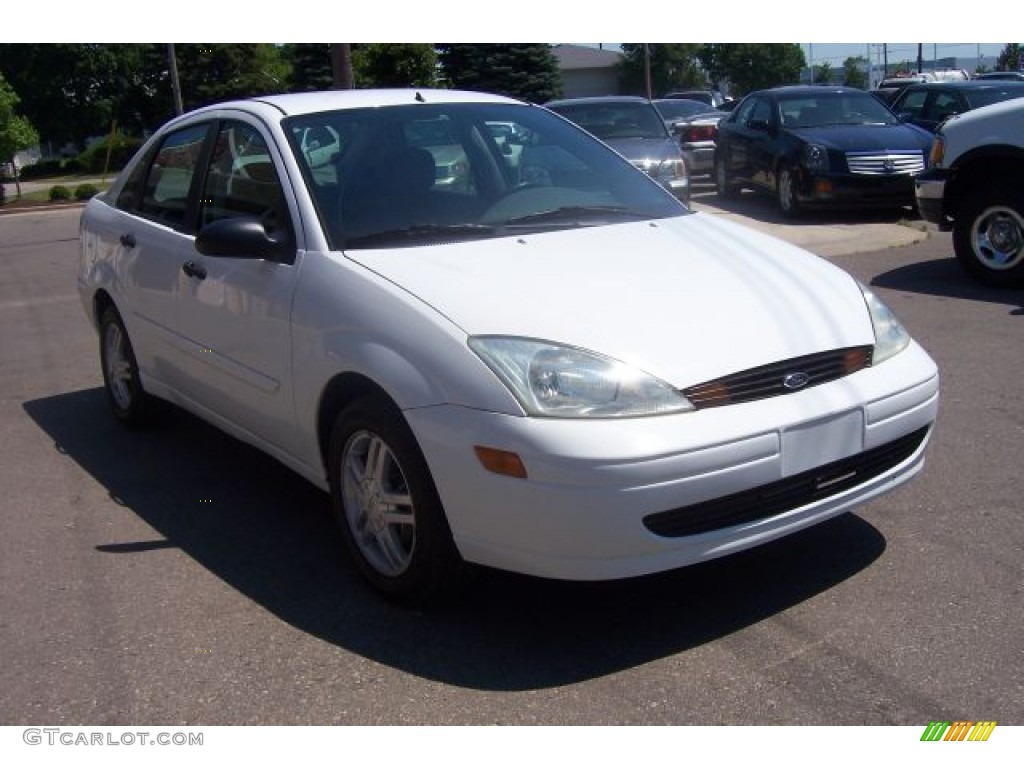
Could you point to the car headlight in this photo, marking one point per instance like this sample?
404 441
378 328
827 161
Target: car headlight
937 152
891 337
560 381
671 170
815 158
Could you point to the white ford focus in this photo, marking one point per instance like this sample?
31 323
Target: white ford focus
491 338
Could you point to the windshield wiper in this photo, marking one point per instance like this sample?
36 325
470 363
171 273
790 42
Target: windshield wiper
575 212
420 232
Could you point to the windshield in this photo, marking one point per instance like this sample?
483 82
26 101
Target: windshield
845 108
415 174
616 119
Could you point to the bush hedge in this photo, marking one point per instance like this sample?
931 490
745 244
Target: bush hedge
85 191
60 192
95 157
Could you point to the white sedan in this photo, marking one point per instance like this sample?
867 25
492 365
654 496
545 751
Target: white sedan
553 368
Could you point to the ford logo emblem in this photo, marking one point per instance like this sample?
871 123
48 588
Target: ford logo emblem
795 380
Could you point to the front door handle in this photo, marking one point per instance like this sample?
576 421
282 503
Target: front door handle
128 240
192 269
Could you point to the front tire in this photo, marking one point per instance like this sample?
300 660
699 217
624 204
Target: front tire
386 504
988 238
785 193
128 400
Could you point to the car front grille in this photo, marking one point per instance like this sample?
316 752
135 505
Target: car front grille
885 163
787 494
781 378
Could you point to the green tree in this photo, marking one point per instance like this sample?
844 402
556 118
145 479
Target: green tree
822 73
212 72
853 75
1009 58
527 71
673 66
750 66
73 91
310 66
16 132
394 65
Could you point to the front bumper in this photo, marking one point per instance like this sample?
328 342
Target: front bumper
855 190
930 191
594 486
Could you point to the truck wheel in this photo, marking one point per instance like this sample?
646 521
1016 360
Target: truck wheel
988 238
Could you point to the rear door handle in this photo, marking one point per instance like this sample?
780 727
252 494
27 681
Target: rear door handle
192 269
128 240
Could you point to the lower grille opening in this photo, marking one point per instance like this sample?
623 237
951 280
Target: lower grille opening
783 495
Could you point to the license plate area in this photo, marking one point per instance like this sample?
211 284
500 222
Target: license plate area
816 443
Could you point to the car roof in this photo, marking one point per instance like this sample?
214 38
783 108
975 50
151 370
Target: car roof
808 90
322 101
968 85
598 100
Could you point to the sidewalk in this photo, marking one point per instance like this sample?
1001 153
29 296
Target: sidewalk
840 234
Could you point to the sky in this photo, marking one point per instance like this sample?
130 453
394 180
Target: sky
526 20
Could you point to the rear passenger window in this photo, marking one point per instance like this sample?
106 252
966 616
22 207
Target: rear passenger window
165 191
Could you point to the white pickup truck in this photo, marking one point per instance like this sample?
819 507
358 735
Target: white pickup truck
974 186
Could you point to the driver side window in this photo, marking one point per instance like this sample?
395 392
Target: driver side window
241 181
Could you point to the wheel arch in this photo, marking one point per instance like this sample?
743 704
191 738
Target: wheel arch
341 390
989 165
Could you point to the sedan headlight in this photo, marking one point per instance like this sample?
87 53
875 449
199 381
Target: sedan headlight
815 158
671 170
891 337
559 381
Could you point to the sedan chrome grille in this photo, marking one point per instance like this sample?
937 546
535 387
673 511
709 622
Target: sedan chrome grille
780 378
885 163
787 494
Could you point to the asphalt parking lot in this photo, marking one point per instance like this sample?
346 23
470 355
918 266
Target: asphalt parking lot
175 576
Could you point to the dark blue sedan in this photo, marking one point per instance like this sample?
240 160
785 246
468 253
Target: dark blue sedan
819 146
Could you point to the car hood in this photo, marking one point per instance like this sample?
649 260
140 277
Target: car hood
865 138
638 150
686 299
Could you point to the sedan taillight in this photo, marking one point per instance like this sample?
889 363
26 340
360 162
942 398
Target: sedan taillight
691 133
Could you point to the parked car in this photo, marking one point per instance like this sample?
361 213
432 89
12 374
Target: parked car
558 369
819 146
928 104
633 127
999 76
973 187
712 98
696 128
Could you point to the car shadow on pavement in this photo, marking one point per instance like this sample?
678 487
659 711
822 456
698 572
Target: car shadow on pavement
944 277
761 207
269 534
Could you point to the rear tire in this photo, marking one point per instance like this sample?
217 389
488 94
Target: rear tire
988 237
386 504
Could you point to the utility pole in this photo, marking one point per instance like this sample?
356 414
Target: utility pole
172 64
647 71
920 58
341 66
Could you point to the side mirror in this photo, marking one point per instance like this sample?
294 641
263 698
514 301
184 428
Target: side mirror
241 237
759 125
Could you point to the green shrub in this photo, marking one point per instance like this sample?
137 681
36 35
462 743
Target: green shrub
95 157
60 192
42 169
85 191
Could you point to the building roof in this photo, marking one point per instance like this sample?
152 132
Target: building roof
585 57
